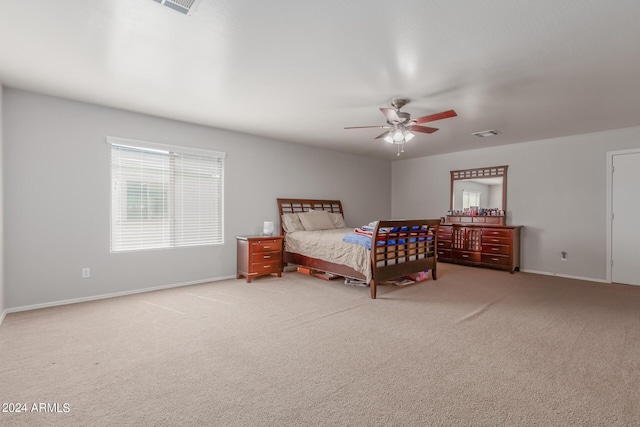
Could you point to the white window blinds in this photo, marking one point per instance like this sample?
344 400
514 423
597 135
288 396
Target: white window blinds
164 196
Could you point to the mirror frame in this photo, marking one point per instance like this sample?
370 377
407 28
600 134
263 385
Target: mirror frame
490 172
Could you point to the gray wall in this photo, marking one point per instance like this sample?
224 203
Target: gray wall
57 207
2 305
556 189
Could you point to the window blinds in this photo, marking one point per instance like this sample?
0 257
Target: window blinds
164 196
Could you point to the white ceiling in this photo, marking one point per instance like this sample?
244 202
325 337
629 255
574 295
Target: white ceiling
301 71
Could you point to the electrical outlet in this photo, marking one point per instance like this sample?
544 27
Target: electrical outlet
563 256
86 273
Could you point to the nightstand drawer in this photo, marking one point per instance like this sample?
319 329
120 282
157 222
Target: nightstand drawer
266 245
266 256
266 267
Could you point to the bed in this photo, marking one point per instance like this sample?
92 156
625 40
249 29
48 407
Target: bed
401 248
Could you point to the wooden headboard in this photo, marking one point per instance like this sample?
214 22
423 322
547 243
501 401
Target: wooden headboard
288 206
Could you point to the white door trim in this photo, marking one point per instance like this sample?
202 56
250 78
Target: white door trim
609 219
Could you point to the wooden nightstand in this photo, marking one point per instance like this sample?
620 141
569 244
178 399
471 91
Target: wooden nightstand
259 256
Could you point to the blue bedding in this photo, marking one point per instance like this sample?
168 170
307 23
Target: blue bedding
363 240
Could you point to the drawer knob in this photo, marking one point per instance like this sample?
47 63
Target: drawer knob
495 259
266 256
266 266
465 256
495 249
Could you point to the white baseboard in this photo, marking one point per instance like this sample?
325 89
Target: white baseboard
566 276
2 316
113 295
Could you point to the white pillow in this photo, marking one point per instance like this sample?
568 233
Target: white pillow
291 223
316 220
337 219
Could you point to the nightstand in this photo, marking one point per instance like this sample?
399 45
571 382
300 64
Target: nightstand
259 256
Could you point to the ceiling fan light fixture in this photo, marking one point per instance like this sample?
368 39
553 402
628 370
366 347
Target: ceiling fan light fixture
408 135
401 127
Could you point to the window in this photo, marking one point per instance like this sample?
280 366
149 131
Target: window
469 199
164 196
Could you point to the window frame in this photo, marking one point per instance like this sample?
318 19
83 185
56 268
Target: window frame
171 150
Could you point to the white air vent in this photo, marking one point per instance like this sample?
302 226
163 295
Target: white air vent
182 6
485 133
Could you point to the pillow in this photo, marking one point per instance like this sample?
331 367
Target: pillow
291 223
316 220
337 219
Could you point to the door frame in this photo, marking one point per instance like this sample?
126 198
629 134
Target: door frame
609 219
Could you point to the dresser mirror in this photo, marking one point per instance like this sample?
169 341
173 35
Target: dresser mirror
480 190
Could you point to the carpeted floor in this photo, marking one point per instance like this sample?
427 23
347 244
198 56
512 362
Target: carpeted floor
476 347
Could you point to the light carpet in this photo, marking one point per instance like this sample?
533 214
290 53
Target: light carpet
476 347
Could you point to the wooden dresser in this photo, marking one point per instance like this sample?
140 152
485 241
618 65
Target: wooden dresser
259 256
481 245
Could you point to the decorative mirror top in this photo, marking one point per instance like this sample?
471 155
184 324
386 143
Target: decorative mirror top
479 173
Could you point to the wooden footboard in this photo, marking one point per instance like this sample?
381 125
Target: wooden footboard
403 247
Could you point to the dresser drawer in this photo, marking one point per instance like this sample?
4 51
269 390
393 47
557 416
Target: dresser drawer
493 240
496 232
266 256
495 259
268 245
467 256
496 249
492 219
446 254
444 233
444 245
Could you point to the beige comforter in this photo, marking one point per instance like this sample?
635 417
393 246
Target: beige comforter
327 245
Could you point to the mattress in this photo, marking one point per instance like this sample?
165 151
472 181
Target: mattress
327 245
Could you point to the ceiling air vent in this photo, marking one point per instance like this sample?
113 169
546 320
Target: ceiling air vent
182 6
485 133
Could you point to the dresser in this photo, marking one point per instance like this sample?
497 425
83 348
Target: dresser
481 245
259 256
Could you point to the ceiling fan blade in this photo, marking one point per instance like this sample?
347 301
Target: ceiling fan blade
391 115
423 129
382 135
437 116
365 127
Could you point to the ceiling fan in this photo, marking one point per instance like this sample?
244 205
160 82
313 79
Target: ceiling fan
400 126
